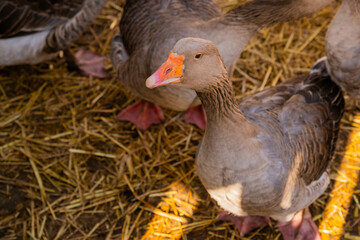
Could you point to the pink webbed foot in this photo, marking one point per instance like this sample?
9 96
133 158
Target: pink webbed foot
197 116
301 227
143 114
90 64
244 224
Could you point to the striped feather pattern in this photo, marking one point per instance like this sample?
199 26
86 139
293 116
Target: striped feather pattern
17 17
46 25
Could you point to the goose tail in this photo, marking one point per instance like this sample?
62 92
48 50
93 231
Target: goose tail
321 87
320 67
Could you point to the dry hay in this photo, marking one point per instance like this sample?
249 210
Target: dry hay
70 170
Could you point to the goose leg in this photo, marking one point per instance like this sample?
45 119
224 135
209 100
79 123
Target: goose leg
244 224
301 227
196 116
90 64
143 114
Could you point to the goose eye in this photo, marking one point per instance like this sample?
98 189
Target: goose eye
198 56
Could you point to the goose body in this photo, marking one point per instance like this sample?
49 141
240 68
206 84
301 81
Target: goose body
267 154
278 147
33 31
342 45
150 28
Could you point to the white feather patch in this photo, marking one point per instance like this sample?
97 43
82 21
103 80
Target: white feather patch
24 50
229 198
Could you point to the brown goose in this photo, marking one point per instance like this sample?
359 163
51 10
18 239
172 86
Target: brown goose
342 46
34 31
266 155
150 28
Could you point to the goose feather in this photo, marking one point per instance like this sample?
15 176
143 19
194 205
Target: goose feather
149 29
42 25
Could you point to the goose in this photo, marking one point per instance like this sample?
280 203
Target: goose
34 31
150 28
266 155
342 47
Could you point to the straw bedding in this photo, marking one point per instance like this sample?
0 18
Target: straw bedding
70 170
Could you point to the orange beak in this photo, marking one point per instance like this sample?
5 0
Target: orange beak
169 72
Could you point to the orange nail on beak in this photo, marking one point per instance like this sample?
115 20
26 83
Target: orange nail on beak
169 72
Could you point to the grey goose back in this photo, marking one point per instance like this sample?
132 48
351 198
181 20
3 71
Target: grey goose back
267 154
150 28
342 45
34 31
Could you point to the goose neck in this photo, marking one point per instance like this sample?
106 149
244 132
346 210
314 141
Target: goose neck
219 100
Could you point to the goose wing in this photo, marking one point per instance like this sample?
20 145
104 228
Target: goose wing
310 121
307 112
21 16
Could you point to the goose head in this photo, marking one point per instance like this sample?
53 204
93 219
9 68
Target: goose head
193 63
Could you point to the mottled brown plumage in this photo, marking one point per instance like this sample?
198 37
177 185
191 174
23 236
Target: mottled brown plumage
266 154
150 28
342 45
32 31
